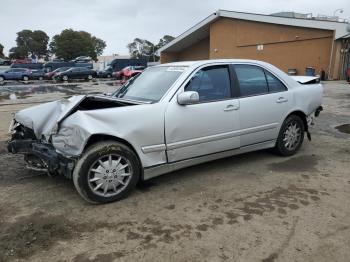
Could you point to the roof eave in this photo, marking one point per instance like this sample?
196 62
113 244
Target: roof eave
201 24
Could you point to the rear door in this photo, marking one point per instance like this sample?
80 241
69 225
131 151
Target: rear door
18 73
75 72
264 103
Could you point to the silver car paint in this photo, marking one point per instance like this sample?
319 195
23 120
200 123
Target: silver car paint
165 131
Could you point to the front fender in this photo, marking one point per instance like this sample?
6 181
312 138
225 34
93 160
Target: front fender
141 126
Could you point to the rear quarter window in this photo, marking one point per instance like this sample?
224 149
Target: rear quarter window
275 85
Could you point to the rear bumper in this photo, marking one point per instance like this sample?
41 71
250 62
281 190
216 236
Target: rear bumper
42 156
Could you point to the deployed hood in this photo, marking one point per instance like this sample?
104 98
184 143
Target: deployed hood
44 119
305 80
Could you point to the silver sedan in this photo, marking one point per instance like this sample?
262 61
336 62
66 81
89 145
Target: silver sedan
169 117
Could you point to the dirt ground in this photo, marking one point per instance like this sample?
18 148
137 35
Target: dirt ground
253 207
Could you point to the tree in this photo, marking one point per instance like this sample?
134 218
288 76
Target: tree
142 48
1 51
165 40
70 44
30 42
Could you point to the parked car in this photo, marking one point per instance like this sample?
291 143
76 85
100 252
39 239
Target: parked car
106 73
169 117
50 75
15 74
128 72
82 59
4 62
118 63
28 65
22 61
51 66
76 73
37 74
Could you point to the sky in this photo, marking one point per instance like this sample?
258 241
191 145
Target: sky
118 22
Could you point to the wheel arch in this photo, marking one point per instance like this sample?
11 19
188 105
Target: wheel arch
103 137
302 115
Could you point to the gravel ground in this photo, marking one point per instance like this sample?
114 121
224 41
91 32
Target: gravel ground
252 207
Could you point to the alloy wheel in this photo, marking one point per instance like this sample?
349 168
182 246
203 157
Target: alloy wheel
292 136
109 175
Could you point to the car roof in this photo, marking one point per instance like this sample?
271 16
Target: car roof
210 61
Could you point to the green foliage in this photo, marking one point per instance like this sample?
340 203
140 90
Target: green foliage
30 42
70 44
142 48
2 51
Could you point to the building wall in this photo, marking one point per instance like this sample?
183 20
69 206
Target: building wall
198 51
283 46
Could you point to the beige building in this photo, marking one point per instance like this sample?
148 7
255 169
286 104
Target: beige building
288 43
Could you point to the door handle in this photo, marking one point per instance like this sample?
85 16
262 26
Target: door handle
282 100
231 108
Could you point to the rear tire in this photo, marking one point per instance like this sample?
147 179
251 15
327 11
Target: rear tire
2 79
107 172
291 136
41 78
25 78
89 77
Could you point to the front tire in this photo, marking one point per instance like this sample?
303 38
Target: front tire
89 77
65 78
107 172
291 136
25 78
2 79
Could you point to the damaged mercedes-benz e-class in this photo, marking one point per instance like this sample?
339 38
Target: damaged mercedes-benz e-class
169 117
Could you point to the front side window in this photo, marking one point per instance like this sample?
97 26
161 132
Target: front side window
275 85
251 80
151 85
211 83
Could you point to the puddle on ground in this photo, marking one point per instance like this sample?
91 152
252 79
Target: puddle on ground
22 92
296 164
345 128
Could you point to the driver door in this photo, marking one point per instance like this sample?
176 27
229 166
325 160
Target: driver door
208 127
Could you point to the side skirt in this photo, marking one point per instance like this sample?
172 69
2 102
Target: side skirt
155 171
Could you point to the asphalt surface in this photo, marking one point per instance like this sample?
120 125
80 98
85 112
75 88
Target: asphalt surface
252 207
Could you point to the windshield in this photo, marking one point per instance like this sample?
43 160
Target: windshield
151 85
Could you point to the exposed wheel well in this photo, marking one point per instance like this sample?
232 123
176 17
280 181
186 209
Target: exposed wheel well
101 137
302 116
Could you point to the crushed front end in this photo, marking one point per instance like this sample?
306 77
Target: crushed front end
39 154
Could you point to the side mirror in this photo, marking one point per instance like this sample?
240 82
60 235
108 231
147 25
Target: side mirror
188 98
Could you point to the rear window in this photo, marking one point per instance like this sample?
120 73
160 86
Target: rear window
251 80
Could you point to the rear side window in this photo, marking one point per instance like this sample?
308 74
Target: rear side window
251 80
212 83
275 85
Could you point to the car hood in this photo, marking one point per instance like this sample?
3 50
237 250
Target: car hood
45 119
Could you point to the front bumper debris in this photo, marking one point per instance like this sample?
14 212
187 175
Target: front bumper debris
42 156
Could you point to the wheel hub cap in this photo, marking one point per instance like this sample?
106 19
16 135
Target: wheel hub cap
292 136
109 175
